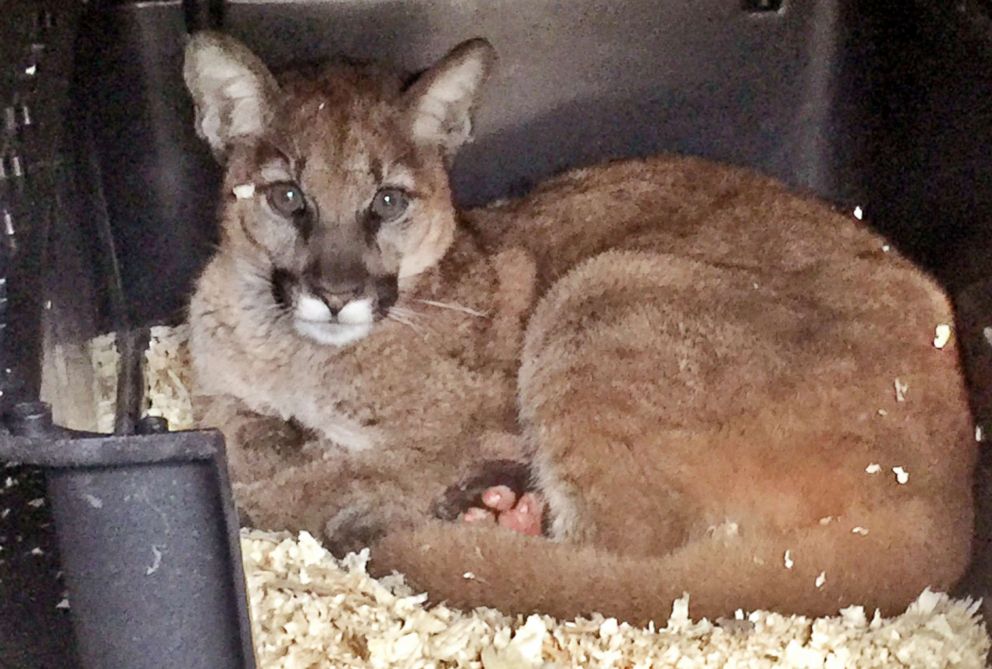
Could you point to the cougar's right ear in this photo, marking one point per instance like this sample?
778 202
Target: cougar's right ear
233 91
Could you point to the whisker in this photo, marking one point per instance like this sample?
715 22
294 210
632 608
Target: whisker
409 314
454 307
414 276
410 324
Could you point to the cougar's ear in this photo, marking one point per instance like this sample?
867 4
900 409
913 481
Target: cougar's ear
443 99
234 93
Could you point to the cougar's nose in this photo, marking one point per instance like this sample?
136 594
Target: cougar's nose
337 283
336 295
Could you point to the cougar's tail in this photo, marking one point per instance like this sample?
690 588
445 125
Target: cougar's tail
883 564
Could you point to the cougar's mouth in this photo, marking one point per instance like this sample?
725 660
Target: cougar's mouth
328 321
313 318
331 334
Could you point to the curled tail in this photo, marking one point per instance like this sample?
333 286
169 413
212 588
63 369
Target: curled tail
885 565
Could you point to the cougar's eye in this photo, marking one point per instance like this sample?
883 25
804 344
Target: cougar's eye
389 204
287 199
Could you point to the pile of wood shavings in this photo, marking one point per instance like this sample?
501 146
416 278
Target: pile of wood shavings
311 610
167 375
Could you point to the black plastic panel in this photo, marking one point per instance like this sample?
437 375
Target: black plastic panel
580 82
36 58
158 181
36 61
145 551
148 538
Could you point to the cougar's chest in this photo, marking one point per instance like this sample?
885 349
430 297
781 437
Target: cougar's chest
433 375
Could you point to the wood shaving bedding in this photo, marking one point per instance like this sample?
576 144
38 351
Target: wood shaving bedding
168 377
311 611
167 374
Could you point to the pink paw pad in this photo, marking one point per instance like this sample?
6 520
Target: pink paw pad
523 514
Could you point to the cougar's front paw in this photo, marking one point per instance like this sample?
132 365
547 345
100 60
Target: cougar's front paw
498 491
363 524
282 437
520 513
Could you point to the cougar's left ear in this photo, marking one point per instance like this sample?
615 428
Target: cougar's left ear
443 99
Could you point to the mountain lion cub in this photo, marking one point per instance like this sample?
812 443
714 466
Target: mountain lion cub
721 388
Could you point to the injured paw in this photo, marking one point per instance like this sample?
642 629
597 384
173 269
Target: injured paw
520 513
497 491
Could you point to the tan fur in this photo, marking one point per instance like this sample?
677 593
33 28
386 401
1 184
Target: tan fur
693 358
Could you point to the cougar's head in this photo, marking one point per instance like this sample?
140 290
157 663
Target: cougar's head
336 186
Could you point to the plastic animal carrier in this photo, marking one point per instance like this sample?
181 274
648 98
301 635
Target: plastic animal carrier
119 543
